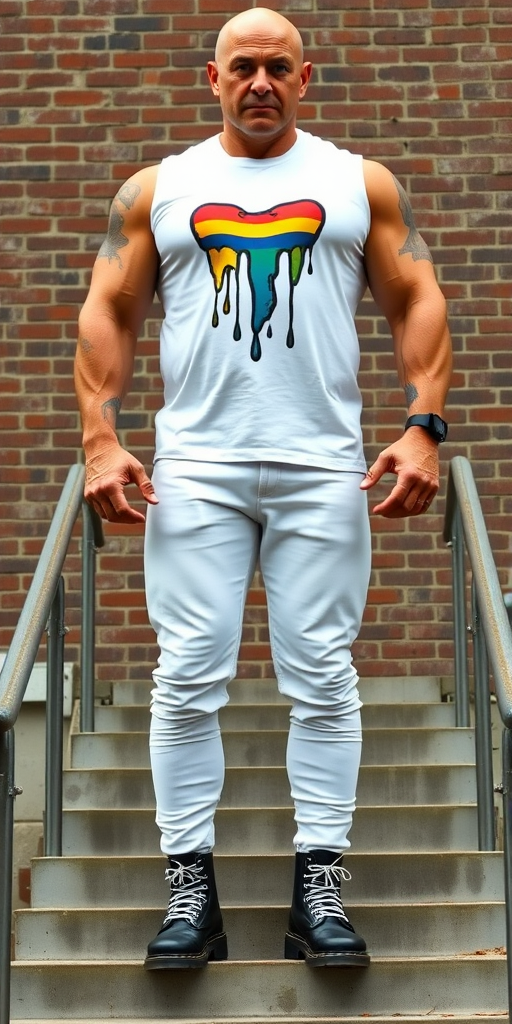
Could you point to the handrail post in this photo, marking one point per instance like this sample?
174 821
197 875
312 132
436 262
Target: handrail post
483 734
7 796
88 618
507 849
462 716
54 725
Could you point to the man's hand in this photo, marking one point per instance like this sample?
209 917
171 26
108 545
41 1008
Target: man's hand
414 459
106 476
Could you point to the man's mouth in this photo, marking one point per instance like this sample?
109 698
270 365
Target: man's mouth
261 106
262 111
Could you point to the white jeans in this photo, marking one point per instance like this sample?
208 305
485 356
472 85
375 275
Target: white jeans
309 528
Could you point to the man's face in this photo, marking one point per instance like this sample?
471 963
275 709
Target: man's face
259 78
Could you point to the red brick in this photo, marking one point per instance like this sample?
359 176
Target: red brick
79 97
82 61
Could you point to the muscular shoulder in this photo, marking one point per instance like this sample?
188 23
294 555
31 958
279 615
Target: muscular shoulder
129 235
135 196
389 202
391 212
382 188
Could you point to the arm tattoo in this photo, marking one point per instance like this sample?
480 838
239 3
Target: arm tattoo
115 239
110 409
85 344
411 394
414 243
127 195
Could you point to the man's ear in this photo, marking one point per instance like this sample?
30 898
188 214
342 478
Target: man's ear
213 76
305 75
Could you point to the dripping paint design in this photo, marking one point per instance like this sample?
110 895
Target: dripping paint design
226 232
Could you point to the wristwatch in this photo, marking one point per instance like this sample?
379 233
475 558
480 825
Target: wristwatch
433 424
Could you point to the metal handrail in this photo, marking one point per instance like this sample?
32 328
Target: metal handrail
43 609
465 531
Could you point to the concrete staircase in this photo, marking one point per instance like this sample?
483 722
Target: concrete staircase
428 903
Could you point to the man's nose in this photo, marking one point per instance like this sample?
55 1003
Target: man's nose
260 83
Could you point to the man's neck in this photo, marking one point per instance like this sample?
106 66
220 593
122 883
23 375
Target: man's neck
239 145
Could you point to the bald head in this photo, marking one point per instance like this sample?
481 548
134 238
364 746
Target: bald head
259 20
259 75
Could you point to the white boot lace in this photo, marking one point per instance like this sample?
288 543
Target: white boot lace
188 891
322 891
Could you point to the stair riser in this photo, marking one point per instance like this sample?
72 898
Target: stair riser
269 787
247 749
258 933
287 988
258 831
339 1019
276 716
266 880
388 690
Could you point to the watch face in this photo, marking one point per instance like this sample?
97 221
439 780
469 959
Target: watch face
439 428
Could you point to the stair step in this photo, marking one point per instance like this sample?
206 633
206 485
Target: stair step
265 716
384 690
428 902
431 985
455 1018
269 787
257 933
267 879
257 830
254 748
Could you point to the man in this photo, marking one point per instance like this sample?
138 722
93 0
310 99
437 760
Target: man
260 242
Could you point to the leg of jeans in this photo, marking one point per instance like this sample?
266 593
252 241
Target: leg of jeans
200 555
187 764
323 758
315 559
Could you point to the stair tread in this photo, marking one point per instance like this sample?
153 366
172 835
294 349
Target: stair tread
367 904
80 880
267 747
258 829
379 785
481 956
270 807
404 1019
256 932
272 715
398 729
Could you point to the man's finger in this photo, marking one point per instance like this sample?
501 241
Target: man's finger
375 472
114 508
123 511
140 477
148 491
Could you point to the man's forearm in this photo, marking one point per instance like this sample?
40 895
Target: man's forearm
424 357
103 371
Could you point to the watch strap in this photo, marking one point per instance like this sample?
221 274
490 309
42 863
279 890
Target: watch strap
431 422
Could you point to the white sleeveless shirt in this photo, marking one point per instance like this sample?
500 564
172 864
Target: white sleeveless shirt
261 274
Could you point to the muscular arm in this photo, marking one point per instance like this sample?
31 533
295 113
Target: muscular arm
121 291
402 280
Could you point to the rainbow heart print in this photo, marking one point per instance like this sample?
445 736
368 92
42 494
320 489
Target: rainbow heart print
226 233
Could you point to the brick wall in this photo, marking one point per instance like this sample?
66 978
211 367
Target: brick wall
93 89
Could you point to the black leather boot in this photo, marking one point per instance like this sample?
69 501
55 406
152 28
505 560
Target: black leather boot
319 930
192 932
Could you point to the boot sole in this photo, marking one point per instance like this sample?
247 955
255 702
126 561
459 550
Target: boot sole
215 949
295 948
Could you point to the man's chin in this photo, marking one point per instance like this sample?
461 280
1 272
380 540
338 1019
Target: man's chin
261 125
